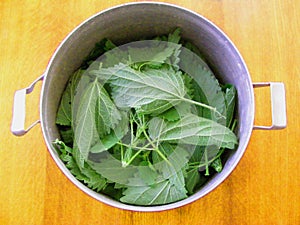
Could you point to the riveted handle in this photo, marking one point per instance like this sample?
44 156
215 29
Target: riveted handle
278 105
19 110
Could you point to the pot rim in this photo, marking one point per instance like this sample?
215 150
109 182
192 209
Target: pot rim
120 205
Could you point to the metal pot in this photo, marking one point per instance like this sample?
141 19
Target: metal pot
134 21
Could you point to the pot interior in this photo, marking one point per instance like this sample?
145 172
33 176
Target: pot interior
133 22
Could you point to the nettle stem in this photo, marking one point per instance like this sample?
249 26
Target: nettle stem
145 147
213 109
124 164
141 129
156 148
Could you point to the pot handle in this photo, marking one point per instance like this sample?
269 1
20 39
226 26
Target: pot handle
18 118
278 105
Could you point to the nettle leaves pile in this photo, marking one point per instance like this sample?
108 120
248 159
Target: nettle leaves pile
146 123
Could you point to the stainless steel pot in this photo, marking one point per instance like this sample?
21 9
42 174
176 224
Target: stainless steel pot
134 21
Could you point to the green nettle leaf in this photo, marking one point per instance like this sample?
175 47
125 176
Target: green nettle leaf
87 175
197 153
176 112
177 160
64 113
163 192
109 45
146 173
192 129
153 55
190 46
175 36
112 169
205 85
95 180
114 57
217 165
146 176
151 91
194 180
230 95
107 114
142 53
67 135
188 82
95 115
105 143
108 141
111 191
99 48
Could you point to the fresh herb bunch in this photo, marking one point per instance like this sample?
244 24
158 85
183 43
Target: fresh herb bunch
145 124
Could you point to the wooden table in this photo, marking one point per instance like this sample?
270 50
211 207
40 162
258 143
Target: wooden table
263 189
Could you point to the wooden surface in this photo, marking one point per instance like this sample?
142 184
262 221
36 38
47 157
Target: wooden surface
263 189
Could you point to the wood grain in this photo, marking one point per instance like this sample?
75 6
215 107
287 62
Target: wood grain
263 189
